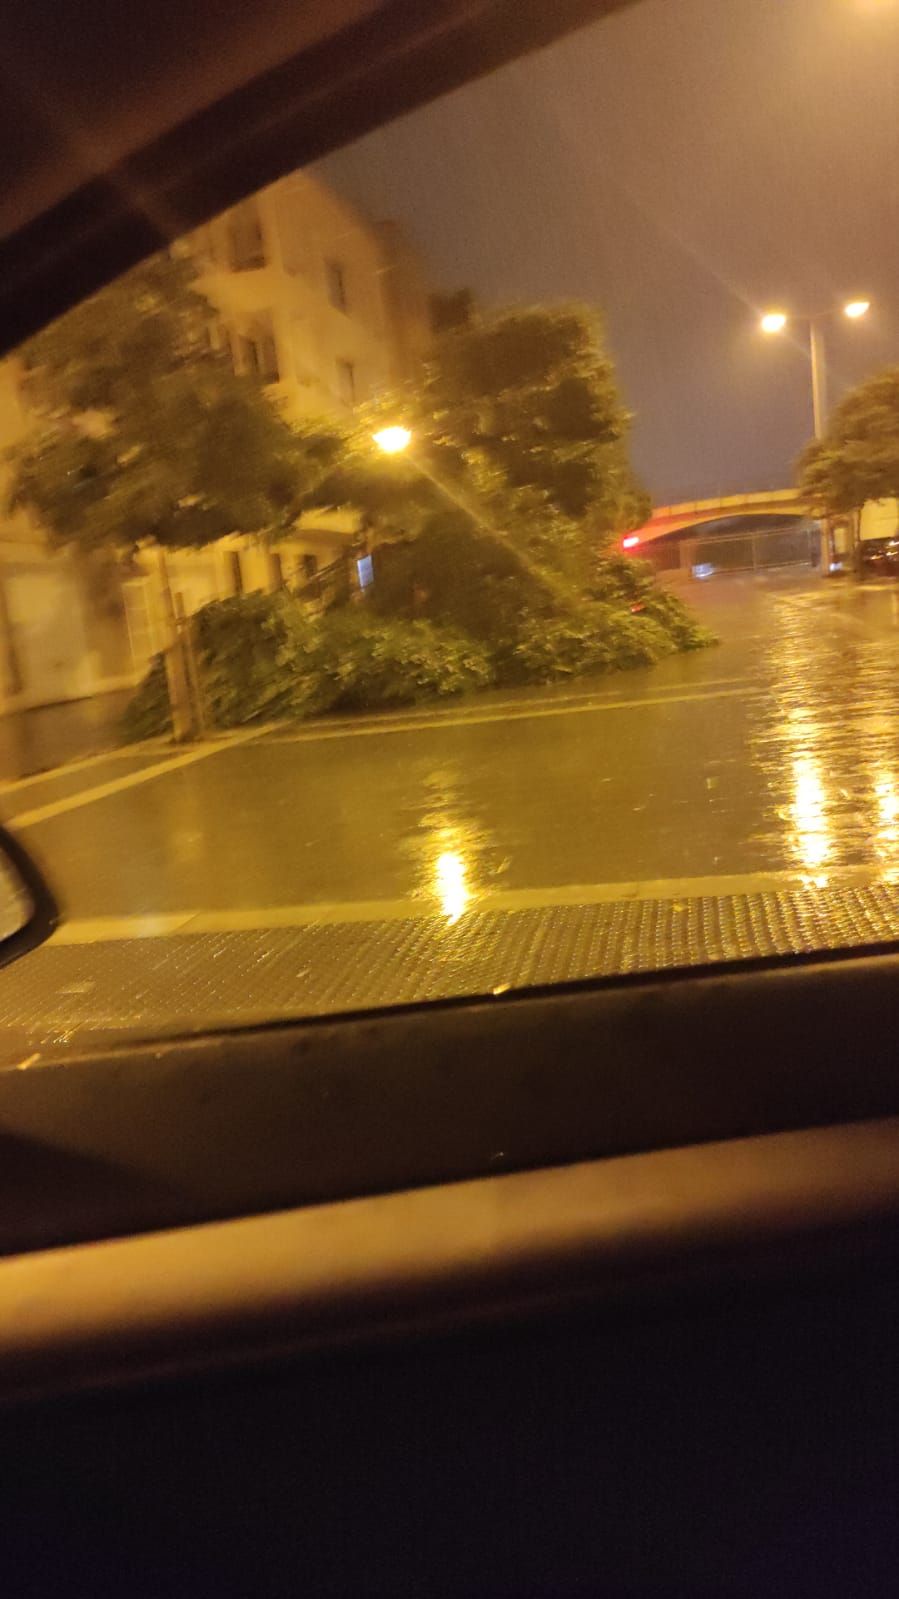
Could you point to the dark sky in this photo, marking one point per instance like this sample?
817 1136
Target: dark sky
681 165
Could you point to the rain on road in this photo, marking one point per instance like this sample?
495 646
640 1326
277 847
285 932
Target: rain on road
770 759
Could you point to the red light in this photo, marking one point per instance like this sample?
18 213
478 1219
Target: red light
630 541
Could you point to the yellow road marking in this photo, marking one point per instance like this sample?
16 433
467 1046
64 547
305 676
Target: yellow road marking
99 929
117 785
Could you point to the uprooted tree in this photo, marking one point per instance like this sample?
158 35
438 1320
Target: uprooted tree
490 535
498 517
517 419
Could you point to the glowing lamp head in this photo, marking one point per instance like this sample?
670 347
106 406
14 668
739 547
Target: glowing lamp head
393 440
856 308
631 542
774 322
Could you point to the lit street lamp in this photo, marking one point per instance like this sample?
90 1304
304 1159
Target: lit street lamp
777 321
393 440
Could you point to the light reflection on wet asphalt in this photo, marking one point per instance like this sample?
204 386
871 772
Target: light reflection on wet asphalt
778 750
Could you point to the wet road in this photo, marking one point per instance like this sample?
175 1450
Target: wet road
740 801
775 752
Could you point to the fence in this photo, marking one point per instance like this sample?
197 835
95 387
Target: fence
331 585
704 556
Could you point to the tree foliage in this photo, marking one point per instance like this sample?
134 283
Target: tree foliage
519 421
144 431
531 394
263 656
858 458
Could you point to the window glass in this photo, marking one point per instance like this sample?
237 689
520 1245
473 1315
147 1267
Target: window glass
245 238
257 352
346 382
593 668
336 285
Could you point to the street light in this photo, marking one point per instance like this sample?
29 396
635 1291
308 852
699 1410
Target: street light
393 440
777 321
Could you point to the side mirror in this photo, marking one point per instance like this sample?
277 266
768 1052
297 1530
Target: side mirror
28 911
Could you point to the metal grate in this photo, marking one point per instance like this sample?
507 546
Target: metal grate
71 996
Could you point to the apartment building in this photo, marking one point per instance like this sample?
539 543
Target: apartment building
328 308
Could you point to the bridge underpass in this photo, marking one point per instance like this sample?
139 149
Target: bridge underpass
747 532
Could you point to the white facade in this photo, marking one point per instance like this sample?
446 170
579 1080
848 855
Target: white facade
879 519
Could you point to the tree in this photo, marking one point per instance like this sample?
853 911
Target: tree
143 431
144 434
519 419
858 458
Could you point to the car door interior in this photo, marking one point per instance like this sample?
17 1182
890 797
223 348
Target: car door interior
595 1364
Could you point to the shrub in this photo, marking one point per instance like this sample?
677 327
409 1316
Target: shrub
596 639
360 661
464 577
622 580
237 643
147 713
265 656
620 577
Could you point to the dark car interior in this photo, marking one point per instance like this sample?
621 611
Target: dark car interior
586 1289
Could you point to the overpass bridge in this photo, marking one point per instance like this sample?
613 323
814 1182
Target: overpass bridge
673 519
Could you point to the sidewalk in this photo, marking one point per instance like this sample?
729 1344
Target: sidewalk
51 735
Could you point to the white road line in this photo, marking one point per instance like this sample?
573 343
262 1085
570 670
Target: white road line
460 711
279 732
518 714
99 929
53 773
117 785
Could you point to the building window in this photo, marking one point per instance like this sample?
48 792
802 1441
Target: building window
235 575
257 352
346 382
246 245
336 285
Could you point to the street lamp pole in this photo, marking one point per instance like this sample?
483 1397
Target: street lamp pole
776 322
819 374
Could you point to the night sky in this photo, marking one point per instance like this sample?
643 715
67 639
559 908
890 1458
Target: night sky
681 165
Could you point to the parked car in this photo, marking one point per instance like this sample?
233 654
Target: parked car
880 557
